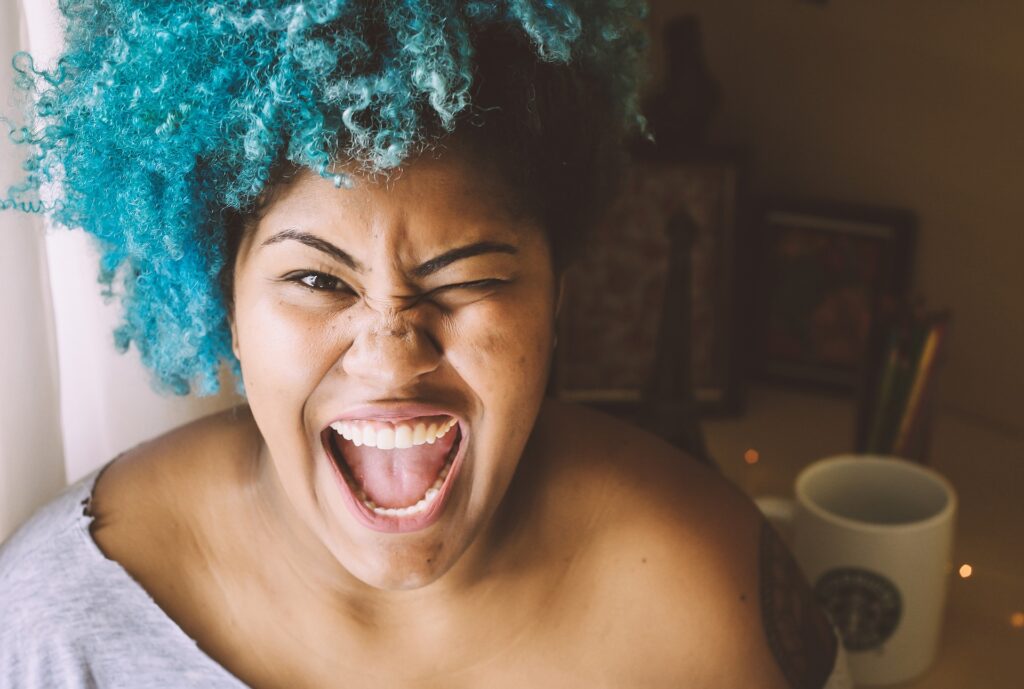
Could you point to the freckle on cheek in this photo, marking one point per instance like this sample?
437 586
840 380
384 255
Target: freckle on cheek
489 346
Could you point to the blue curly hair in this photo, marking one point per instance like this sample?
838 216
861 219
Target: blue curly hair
164 121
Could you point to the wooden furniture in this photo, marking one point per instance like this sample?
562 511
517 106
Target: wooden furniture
668 407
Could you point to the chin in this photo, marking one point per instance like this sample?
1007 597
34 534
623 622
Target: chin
403 577
404 564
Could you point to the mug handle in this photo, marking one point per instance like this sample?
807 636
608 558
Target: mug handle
780 512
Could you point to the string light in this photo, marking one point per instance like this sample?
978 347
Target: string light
966 571
751 456
1017 620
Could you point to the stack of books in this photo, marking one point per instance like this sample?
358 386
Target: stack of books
896 411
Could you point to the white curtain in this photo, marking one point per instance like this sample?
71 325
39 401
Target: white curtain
68 401
31 460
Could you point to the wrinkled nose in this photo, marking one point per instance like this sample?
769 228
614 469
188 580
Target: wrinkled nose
391 353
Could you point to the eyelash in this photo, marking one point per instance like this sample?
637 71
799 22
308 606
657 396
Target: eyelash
301 279
473 284
314 277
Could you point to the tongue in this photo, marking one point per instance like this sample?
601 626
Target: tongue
397 478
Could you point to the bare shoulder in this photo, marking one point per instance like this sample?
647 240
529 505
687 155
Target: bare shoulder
189 453
147 500
700 588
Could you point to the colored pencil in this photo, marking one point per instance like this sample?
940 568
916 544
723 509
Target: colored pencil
926 367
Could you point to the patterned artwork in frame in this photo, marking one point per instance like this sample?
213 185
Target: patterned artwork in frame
829 274
610 325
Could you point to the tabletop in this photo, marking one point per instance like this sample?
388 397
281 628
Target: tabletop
982 642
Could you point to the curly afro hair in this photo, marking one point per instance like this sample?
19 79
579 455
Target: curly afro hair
165 120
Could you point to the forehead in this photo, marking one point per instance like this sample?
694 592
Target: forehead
433 197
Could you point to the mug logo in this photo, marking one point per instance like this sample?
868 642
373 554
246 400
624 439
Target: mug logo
865 606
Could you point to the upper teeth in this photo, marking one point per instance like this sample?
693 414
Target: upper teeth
387 436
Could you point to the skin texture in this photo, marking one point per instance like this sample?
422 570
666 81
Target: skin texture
575 550
377 332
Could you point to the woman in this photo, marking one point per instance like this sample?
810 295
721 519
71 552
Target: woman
365 208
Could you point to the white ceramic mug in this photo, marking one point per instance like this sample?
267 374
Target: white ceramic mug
874 535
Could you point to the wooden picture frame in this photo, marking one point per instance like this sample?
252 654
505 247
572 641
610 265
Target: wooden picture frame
828 275
616 314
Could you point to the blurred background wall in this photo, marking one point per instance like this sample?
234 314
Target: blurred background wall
916 104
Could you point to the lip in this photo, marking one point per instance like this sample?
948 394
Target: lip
395 524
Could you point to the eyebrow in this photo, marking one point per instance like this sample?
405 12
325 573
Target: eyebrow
423 270
438 262
311 240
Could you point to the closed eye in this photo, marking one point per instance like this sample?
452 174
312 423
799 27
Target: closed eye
463 293
474 284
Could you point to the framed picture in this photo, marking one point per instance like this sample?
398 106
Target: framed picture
829 273
623 318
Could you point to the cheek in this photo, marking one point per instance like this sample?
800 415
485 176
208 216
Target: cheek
283 351
504 350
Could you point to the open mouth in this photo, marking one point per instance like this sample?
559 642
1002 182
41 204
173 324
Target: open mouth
397 473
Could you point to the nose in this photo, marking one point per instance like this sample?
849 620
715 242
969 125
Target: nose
390 351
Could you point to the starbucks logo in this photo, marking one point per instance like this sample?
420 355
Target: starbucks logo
865 606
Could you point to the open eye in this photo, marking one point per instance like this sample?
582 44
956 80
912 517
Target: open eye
319 282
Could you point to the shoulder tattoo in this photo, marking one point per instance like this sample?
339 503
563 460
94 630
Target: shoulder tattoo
799 633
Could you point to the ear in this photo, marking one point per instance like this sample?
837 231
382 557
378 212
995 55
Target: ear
230 287
230 307
234 335
559 294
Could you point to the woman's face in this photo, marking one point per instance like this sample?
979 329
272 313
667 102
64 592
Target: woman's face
394 340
